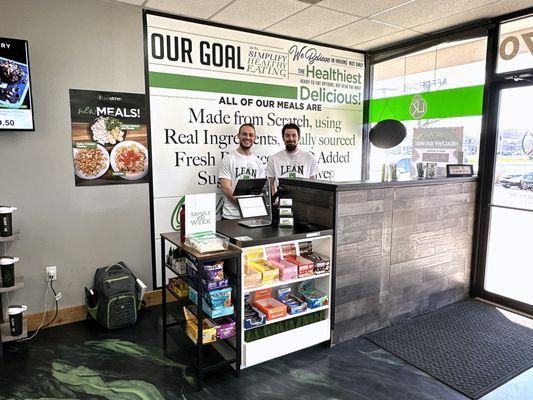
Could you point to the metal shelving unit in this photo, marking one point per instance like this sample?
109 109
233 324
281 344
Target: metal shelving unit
218 354
5 334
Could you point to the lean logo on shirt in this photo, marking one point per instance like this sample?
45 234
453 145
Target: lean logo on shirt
292 171
248 172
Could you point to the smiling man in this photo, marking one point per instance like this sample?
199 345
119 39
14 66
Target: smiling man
239 164
291 162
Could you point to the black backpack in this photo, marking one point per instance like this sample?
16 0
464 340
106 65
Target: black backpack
114 299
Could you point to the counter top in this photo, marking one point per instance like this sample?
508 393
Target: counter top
267 234
354 185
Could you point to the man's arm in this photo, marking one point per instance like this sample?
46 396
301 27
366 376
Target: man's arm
272 187
225 186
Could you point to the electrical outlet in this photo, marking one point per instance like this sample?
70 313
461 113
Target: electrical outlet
51 273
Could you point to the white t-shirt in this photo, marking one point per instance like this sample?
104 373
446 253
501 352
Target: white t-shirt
236 166
298 164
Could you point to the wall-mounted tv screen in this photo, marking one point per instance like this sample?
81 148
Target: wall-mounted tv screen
16 108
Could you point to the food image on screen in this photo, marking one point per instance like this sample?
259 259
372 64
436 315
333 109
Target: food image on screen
107 130
130 159
10 72
90 162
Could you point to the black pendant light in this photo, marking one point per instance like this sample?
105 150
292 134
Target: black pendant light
387 133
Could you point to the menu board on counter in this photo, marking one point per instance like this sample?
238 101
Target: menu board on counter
109 137
16 112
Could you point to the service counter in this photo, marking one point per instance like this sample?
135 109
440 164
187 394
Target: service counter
400 248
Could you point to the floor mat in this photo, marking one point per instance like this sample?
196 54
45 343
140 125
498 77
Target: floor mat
471 346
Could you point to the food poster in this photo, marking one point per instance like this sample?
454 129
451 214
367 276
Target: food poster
109 137
15 96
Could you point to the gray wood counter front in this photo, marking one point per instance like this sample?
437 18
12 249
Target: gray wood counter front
401 249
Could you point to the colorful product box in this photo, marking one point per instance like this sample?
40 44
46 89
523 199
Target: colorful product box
209 328
252 279
294 305
212 273
213 313
178 287
264 301
305 266
253 317
313 297
321 264
226 327
287 270
218 298
268 272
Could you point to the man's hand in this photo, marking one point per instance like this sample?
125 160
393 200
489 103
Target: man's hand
225 186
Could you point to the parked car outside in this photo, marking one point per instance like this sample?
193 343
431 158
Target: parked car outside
512 179
527 181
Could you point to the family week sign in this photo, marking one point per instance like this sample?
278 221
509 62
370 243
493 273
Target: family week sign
205 81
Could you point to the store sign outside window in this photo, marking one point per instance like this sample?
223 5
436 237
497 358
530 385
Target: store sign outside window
418 107
515 51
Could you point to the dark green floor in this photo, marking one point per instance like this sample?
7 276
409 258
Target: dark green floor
80 361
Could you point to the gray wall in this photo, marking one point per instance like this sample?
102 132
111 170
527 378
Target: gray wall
84 44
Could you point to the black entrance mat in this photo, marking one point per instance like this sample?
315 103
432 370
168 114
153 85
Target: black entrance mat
471 346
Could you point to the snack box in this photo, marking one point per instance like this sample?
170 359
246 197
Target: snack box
268 272
209 328
226 327
321 263
305 266
252 278
213 278
218 298
314 298
294 304
213 313
287 270
264 301
207 242
253 317
178 287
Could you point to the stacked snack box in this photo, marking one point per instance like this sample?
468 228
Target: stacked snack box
213 276
252 316
268 272
294 304
321 264
178 287
209 328
287 270
264 301
313 297
305 266
226 327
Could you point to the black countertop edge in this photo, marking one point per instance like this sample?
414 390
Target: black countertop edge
269 234
354 185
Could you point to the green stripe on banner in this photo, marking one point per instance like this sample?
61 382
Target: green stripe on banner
449 103
186 82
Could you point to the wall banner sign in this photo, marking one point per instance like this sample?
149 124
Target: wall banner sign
16 108
204 81
109 137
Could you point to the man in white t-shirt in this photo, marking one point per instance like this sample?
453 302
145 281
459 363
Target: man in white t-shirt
239 164
291 162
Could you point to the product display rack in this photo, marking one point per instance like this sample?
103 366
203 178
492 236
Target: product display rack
294 339
5 332
209 356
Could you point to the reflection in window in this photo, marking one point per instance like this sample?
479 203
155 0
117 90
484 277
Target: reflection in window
444 122
515 51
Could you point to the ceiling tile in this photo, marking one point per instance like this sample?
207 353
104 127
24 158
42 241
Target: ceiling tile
311 22
363 8
423 11
258 14
188 8
488 11
134 2
357 32
386 40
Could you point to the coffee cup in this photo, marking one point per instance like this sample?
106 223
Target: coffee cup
15 319
7 270
6 220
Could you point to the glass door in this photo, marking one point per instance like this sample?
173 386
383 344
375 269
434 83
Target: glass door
509 258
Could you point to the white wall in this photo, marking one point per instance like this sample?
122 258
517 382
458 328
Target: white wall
84 44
